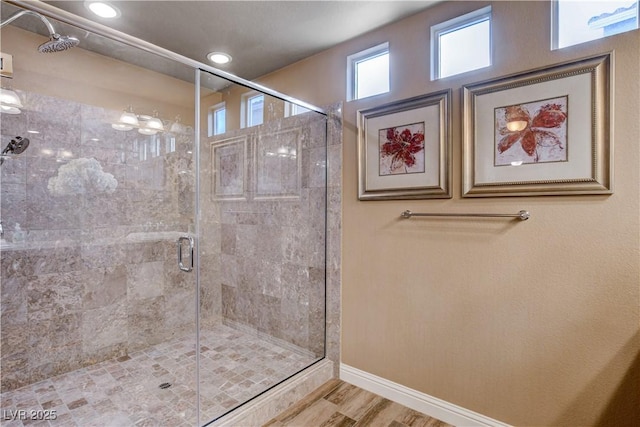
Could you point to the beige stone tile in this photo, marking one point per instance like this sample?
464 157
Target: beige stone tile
128 386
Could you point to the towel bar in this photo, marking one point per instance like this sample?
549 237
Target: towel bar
522 215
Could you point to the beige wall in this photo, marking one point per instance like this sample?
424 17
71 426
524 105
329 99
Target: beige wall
89 78
533 323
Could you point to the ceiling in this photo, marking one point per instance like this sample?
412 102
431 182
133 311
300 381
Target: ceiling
261 36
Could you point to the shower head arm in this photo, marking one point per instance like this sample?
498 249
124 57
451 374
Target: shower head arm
17 15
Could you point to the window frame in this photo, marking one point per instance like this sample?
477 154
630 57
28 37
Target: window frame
354 59
455 24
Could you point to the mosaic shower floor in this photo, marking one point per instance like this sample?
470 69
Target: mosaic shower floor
126 392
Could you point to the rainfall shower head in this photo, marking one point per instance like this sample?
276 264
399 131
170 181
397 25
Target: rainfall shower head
56 43
16 146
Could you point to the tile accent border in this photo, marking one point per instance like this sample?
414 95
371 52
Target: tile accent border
262 409
429 405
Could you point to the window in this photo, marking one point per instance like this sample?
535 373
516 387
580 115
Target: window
292 109
217 119
461 44
577 22
170 143
252 109
368 72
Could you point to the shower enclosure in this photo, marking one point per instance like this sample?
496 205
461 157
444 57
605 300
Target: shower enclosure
164 235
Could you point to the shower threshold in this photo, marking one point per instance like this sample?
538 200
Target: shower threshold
132 390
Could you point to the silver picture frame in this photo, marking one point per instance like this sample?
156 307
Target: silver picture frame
404 149
565 144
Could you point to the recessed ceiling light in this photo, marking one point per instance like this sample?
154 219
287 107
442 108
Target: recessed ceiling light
102 9
219 57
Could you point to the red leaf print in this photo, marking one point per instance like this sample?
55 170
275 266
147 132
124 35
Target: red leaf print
549 116
402 147
408 158
417 143
547 139
508 141
529 142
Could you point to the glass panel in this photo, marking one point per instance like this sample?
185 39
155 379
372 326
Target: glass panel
372 76
475 38
98 322
262 217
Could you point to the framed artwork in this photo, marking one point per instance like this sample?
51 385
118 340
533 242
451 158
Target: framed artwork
542 132
229 160
404 149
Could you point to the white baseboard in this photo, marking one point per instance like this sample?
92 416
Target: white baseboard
432 406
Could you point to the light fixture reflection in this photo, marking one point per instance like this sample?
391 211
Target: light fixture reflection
10 102
516 117
10 98
146 125
517 125
120 126
147 131
155 123
283 151
9 110
128 117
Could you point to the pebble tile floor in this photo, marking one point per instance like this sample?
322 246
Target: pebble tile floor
125 392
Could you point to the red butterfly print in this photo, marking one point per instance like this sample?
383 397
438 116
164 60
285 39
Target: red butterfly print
534 134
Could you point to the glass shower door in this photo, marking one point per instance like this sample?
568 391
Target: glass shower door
98 319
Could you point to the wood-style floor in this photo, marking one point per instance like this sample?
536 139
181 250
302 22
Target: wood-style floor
337 403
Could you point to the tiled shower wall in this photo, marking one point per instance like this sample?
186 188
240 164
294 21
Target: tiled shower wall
95 275
265 200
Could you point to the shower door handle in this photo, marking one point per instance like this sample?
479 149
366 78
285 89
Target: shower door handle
183 267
